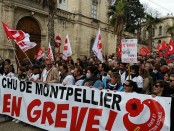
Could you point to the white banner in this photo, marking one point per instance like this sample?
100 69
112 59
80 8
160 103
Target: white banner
56 107
129 51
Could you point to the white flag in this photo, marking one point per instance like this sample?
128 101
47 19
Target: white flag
67 48
25 43
113 2
50 52
97 47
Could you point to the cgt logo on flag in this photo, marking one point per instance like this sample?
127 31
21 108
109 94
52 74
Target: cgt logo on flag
67 48
97 47
50 53
58 41
21 38
40 54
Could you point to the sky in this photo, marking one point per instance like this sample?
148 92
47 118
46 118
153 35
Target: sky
162 6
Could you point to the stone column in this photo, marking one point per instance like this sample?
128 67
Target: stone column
7 16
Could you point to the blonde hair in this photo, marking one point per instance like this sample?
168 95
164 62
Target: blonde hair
8 67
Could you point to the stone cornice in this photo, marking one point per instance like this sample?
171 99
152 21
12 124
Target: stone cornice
75 18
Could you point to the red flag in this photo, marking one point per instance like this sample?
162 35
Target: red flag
16 35
21 38
7 30
119 50
171 47
144 51
159 47
163 49
58 41
164 45
40 54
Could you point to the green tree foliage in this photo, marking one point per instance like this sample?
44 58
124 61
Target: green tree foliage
117 19
126 15
134 15
151 20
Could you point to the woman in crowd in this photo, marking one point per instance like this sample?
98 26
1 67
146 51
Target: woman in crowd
115 82
91 78
71 68
167 77
8 71
161 88
129 86
146 80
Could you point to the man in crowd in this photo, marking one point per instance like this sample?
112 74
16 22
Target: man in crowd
102 71
66 77
49 73
123 73
79 77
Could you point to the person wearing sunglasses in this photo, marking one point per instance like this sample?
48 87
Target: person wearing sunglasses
129 86
161 88
49 73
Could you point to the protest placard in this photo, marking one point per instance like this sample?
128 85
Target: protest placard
129 51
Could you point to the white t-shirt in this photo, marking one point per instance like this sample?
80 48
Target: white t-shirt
123 77
45 74
139 81
79 82
34 76
10 74
68 80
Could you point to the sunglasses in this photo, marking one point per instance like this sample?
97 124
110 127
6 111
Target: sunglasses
171 80
126 85
157 86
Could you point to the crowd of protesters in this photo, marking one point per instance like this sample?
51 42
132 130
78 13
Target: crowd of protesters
151 75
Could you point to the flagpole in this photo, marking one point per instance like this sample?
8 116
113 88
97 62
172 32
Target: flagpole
28 58
14 52
26 55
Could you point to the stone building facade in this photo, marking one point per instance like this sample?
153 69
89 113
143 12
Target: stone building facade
160 30
80 19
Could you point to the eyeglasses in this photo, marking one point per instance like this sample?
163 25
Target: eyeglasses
157 86
126 85
171 80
